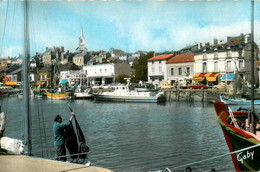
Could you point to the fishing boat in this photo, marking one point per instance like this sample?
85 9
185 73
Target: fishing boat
241 125
238 101
58 95
83 92
236 129
123 93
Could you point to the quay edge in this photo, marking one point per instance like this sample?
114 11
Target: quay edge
203 95
23 163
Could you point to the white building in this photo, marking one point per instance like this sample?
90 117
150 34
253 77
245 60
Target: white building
180 69
73 77
227 59
102 74
157 68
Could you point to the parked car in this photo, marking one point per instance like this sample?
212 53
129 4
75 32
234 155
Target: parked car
201 86
221 85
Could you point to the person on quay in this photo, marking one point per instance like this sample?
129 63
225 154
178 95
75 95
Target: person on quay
58 128
2 122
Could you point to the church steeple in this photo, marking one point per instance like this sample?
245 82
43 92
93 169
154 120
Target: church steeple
81 42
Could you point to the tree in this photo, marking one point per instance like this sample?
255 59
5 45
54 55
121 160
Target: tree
141 68
121 79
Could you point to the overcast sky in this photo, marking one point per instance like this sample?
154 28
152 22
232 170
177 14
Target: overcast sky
130 25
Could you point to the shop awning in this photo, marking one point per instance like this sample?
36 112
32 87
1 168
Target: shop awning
199 77
10 83
228 77
64 82
211 77
40 83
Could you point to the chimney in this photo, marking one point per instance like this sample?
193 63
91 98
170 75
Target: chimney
46 48
215 42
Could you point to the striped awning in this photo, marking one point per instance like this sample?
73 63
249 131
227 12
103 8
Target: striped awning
211 77
40 83
10 83
199 77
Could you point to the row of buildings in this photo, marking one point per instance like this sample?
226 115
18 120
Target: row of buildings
209 64
222 61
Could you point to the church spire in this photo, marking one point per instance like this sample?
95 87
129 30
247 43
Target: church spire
81 41
81 33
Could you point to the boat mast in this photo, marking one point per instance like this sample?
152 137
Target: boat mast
252 68
26 83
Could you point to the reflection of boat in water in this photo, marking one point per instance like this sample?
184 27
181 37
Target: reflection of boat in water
83 92
41 95
123 93
238 101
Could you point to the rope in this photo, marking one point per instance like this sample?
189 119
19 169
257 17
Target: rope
71 155
219 156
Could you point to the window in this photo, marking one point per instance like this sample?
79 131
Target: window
180 71
228 53
204 67
172 71
152 62
228 66
216 55
188 70
204 55
241 63
152 69
160 68
159 61
215 66
100 70
105 70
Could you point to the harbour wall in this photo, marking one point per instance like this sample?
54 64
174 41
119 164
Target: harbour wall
192 95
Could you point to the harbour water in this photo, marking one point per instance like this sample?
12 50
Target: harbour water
129 136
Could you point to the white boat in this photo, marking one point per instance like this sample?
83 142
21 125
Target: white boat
83 92
122 93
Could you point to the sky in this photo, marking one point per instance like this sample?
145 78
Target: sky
129 25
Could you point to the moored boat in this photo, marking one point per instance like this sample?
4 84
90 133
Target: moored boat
235 127
58 96
122 93
238 101
83 92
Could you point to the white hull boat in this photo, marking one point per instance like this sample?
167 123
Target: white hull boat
122 93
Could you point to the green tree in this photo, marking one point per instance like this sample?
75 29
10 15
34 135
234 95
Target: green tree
121 79
141 68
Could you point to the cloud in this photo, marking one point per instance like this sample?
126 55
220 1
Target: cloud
12 51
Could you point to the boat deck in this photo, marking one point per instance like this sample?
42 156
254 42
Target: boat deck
23 163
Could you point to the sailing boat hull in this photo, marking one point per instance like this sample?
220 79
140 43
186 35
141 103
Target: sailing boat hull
236 139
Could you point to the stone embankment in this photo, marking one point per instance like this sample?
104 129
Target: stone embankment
191 95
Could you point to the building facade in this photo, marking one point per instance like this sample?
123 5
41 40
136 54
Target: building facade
180 69
157 68
102 74
232 57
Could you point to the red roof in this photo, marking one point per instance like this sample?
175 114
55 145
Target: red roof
182 58
161 57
